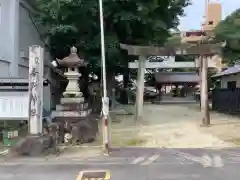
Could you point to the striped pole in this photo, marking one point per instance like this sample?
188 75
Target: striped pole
105 100
106 136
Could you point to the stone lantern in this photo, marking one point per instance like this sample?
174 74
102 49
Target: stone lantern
71 63
73 112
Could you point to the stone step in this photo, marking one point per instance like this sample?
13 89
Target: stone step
69 114
72 107
66 100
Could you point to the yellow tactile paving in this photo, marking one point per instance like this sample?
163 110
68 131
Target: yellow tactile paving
94 175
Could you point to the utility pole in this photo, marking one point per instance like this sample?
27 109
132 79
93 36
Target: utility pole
105 100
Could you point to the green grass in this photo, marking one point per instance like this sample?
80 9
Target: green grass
235 141
135 142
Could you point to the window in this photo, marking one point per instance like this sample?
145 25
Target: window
231 85
210 23
195 33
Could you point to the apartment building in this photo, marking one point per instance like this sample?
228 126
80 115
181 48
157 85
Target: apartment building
212 16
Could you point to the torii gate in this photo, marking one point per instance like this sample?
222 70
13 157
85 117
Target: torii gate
202 50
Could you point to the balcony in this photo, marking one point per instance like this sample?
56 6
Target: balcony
193 36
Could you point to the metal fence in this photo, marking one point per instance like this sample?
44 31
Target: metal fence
226 100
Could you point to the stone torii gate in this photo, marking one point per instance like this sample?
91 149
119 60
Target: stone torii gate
202 50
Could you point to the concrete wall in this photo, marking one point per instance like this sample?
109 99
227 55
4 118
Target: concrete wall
18 31
30 34
226 79
9 51
4 67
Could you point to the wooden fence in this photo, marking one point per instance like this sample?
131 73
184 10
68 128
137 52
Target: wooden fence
226 100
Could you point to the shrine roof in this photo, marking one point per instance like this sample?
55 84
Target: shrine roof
229 71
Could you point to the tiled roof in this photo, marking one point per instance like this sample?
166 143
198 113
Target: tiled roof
229 71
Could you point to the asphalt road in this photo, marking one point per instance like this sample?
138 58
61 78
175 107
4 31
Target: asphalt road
133 163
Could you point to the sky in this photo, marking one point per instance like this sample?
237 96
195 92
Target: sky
194 13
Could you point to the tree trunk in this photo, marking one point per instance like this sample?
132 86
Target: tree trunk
83 82
124 94
110 86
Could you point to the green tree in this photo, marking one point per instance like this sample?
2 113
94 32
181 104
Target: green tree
76 22
228 30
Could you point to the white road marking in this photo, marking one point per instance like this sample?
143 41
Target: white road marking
186 156
231 153
138 160
218 161
206 161
150 160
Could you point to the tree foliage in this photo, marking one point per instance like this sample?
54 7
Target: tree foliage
229 30
76 22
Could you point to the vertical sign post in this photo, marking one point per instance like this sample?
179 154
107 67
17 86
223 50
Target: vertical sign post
36 65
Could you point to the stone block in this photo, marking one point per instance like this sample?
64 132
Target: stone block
84 113
72 107
33 146
72 100
84 131
72 94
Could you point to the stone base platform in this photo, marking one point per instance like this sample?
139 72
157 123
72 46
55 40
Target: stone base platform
74 115
69 100
72 107
70 114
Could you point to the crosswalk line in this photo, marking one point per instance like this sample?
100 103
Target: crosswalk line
150 160
138 160
218 161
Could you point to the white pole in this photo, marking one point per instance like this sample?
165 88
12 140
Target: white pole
105 104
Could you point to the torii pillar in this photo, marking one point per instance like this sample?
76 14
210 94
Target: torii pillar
204 91
140 88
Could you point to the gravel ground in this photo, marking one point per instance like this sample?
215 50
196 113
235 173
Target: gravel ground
173 126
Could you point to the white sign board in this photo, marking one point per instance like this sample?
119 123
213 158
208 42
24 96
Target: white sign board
14 106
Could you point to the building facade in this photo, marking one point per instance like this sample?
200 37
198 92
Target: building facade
212 16
230 77
18 31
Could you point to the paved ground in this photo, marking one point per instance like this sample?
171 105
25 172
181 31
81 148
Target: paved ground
173 146
134 163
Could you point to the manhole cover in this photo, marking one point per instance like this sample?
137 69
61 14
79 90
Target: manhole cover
94 175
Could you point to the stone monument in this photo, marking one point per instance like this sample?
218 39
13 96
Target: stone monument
73 111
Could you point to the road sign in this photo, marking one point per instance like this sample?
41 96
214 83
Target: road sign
94 175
